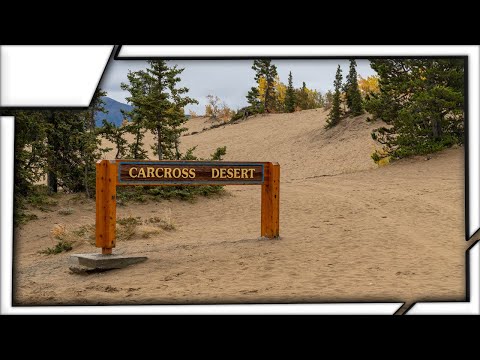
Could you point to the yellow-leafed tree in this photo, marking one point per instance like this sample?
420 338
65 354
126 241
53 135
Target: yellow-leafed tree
369 85
308 99
278 94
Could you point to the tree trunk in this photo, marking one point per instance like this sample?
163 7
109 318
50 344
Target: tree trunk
52 182
159 143
87 192
437 128
177 151
137 141
92 120
265 105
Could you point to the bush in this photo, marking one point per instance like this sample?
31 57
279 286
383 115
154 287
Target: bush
244 113
66 211
38 198
60 247
422 101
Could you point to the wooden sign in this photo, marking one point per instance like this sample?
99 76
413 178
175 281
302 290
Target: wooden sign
113 173
189 173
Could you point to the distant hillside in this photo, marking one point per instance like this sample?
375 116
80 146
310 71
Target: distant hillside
114 114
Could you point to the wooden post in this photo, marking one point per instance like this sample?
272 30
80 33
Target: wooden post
106 207
270 227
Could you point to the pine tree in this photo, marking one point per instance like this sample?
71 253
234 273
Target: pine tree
352 91
60 144
290 96
423 102
160 103
256 105
30 150
96 107
116 135
302 97
265 69
72 151
90 142
136 127
52 137
336 112
29 156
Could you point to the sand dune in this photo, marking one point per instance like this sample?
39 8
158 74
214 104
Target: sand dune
350 231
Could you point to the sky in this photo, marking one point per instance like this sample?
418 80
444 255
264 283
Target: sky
230 80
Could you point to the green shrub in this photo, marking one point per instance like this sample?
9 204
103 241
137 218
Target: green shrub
60 247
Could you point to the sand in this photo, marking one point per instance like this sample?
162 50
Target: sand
350 231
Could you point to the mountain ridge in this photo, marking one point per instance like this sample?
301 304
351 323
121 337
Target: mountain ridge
114 114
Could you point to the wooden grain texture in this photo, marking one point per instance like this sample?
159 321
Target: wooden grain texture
106 206
275 183
270 207
101 208
190 173
111 200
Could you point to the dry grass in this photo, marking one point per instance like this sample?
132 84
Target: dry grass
59 231
65 240
145 231
165 222
66 211
127 228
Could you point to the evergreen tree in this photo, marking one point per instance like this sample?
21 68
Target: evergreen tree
30 150
290 95
116 135
302 97
89 141
72 149
256 105
60 144
53 146
137 129
135 126
96 106
265 69
336 112
160 103
29 156
352 91
423 102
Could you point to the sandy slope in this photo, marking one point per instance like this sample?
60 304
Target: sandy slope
350 231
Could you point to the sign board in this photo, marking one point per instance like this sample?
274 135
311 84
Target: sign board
189 173
113 173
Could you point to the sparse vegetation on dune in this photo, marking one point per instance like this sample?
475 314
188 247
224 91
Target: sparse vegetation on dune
60 247
65 240
127 228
